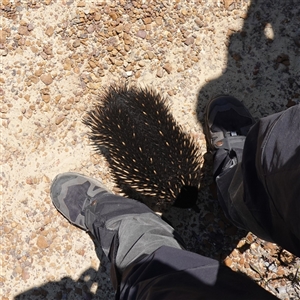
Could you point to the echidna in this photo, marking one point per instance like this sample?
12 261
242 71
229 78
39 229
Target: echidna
150 156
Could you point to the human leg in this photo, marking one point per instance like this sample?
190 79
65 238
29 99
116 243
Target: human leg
126 229
271 172
256 170
147 257
227 124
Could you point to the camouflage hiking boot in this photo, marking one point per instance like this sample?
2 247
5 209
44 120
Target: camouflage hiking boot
71 193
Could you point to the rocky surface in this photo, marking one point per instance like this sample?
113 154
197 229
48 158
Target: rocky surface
56 55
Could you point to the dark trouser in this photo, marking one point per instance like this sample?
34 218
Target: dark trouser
260 190
127 231
148 261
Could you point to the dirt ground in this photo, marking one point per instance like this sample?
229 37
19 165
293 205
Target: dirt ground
57 55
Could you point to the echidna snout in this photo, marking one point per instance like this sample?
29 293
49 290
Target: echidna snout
187 197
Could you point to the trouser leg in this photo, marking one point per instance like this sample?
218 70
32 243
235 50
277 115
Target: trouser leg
271 172
147 257
230 186
127 231
171 273
227 163
259 191
231 179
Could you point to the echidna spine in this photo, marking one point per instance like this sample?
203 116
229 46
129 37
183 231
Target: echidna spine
148 151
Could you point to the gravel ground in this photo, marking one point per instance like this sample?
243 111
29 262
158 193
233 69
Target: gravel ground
56 56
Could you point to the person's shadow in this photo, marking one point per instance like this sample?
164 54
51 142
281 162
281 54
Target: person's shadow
92 284
263 61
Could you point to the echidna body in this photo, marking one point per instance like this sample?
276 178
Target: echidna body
151 157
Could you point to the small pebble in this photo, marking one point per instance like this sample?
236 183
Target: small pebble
59 119
168 67
50 31
142 34
76 44
189 41
42 242
46 79
160 72
23 30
